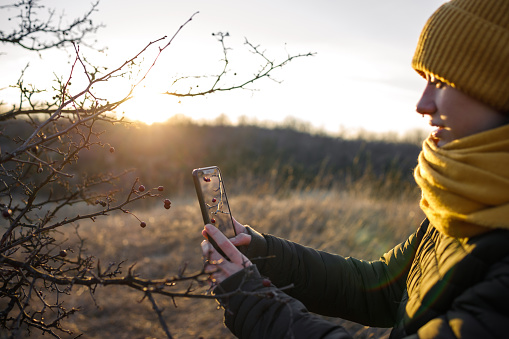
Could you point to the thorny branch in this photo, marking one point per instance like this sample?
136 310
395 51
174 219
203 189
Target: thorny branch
265 70
40 181
36 34
159 313
39 178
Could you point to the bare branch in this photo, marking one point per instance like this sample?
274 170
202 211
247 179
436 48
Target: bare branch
159 314
36 34
265 71
38 180
42 179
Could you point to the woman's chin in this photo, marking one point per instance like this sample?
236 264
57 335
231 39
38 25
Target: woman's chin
439 137
441 143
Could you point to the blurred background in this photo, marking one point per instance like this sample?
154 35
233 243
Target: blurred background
359 79
322 156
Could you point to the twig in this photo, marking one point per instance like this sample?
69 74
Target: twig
159 314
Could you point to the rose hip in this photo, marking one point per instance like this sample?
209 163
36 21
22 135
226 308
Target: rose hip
167 204
6 213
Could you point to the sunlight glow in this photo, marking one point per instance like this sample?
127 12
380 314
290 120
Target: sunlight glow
149 105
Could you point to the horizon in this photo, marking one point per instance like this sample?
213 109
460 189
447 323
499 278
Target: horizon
360 78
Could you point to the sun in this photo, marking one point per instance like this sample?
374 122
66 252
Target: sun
149 105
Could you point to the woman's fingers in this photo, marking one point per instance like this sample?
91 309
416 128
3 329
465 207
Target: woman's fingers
218 267
226 245
212 256
204 233
242 239
239 228
222 241
213 262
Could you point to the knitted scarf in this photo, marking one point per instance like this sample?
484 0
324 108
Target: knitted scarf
465 183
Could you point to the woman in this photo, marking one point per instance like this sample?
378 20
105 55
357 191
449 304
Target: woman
450 279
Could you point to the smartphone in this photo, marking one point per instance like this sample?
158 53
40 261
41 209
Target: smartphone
214 206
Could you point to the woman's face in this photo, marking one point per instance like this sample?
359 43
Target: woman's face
454 114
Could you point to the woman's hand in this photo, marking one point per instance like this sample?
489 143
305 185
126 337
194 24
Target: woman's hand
242 238
219 267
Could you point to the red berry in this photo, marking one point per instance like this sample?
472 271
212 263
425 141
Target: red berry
63 253
213 220
206 179
6 213
112 149
141 188
167 204
266 282
214 200
143 224
160 188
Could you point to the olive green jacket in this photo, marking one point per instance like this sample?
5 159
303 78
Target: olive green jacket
430 286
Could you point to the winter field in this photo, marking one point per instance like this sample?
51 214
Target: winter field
350 196
350 223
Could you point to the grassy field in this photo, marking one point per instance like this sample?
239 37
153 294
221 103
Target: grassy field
350 222
350 196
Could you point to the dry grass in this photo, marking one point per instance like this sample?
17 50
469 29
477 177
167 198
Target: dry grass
347 223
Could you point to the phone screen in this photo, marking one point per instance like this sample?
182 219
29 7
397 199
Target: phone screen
212 198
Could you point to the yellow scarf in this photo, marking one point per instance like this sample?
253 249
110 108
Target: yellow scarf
465 183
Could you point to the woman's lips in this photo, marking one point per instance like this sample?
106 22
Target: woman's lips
437 133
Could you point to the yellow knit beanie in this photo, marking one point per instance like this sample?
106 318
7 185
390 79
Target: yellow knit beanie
465 44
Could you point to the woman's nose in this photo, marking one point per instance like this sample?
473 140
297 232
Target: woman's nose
426 104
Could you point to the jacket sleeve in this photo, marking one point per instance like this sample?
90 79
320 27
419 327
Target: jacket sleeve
367 292
481 311
254 308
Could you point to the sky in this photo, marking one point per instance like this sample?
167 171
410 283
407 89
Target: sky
359 78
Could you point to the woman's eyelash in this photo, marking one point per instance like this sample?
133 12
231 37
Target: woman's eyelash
439 84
